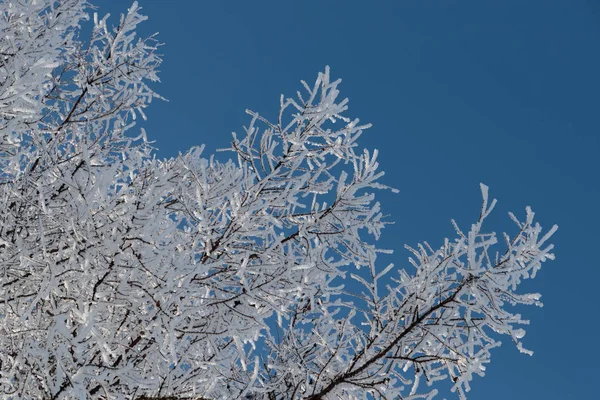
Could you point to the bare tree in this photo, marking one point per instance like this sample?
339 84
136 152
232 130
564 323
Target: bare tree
126 276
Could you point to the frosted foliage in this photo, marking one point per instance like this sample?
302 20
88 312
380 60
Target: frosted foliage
124 276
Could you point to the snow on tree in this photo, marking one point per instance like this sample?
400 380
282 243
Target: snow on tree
124 276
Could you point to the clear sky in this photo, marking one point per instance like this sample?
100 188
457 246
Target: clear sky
459 92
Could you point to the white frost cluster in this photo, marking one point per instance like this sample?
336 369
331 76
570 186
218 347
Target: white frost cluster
124 276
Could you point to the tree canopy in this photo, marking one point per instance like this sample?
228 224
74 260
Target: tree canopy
128 276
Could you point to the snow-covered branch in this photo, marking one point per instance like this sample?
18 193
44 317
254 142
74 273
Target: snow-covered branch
124 276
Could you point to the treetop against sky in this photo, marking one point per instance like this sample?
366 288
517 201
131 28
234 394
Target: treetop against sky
131 270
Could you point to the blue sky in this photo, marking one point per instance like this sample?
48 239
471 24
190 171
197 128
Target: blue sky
459 92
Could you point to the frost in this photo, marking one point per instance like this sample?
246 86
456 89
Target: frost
125 275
